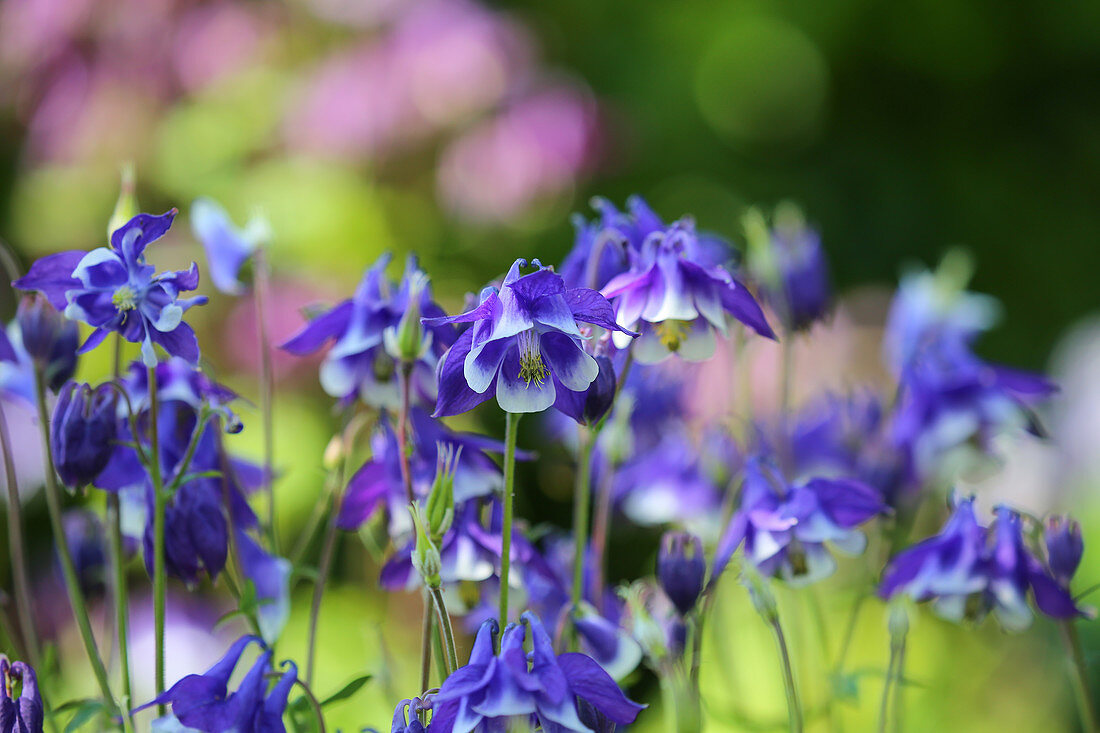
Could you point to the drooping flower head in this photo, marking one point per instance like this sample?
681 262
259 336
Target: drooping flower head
968 570
512 688
113 289
227 246
525 346
785 527
681 569
789 263
50 339
203 702
678 304
358 365
83 432
24 714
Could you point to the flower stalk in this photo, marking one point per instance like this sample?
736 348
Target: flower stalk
1086 708
510 432
582 502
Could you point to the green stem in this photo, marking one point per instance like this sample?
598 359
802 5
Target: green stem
1086 708
426 644
582 502
794 709
448 632
510 429
319 591
668 700
160 509
899 686
72 582
405 372
114 520
18 548
313 703
891 668
267 389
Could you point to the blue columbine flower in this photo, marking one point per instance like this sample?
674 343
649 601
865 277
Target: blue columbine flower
83 432
358 364
114 289
405 718
50 339
603 247
203 702
968 570
785 527
678 304
227 247
789 263
1062 538
681 569
378 482
25 714
525 346
511 689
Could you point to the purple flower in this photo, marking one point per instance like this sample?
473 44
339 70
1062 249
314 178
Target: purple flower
358 364
83 432
667 483
203 702
681 569
50 339
25 714
88 545
511 688
604 246
1062 537
378 482
677 303
114 289
784 528
968 570
405 718
797 284
227 247
525 346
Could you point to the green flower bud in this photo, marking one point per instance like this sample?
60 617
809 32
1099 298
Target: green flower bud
408 342
441 498
126 208
425 556
760 592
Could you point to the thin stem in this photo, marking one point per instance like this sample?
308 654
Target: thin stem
668 702
794 709
786 374
313 703
600 528
18 548
426 644
267 389
1086 708
891 668
160 509
510 429
319 591
582 502
899 687
72 582
448 632
114 534
405 372
849 634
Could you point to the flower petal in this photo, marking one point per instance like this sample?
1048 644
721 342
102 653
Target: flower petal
567 361
314 334
589 306
516 395
589 681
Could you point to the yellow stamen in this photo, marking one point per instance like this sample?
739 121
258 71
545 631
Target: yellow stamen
673 333
125 299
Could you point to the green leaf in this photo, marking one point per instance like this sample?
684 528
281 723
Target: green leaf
88 710
347 690
71 705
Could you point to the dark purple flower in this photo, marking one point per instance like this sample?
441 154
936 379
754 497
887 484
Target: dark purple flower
785 527
24 714
203 702
227 247
358 364
114 289
525 346
681 569
50 339
678 304
798 286
405 718
88 546
512 688
1062 537
83 432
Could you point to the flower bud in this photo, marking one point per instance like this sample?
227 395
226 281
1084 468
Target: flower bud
425 556
82 432
1062 537
681 569
408 342
763 600
126 208
441 498
897 623
49 338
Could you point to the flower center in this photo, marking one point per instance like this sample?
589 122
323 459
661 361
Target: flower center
672 333
125 299
531 367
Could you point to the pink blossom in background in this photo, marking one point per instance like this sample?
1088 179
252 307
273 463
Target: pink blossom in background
536 148
215 40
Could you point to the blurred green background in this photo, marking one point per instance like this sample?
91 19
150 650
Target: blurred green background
468 132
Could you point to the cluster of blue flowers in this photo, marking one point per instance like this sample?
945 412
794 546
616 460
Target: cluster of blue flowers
612 343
